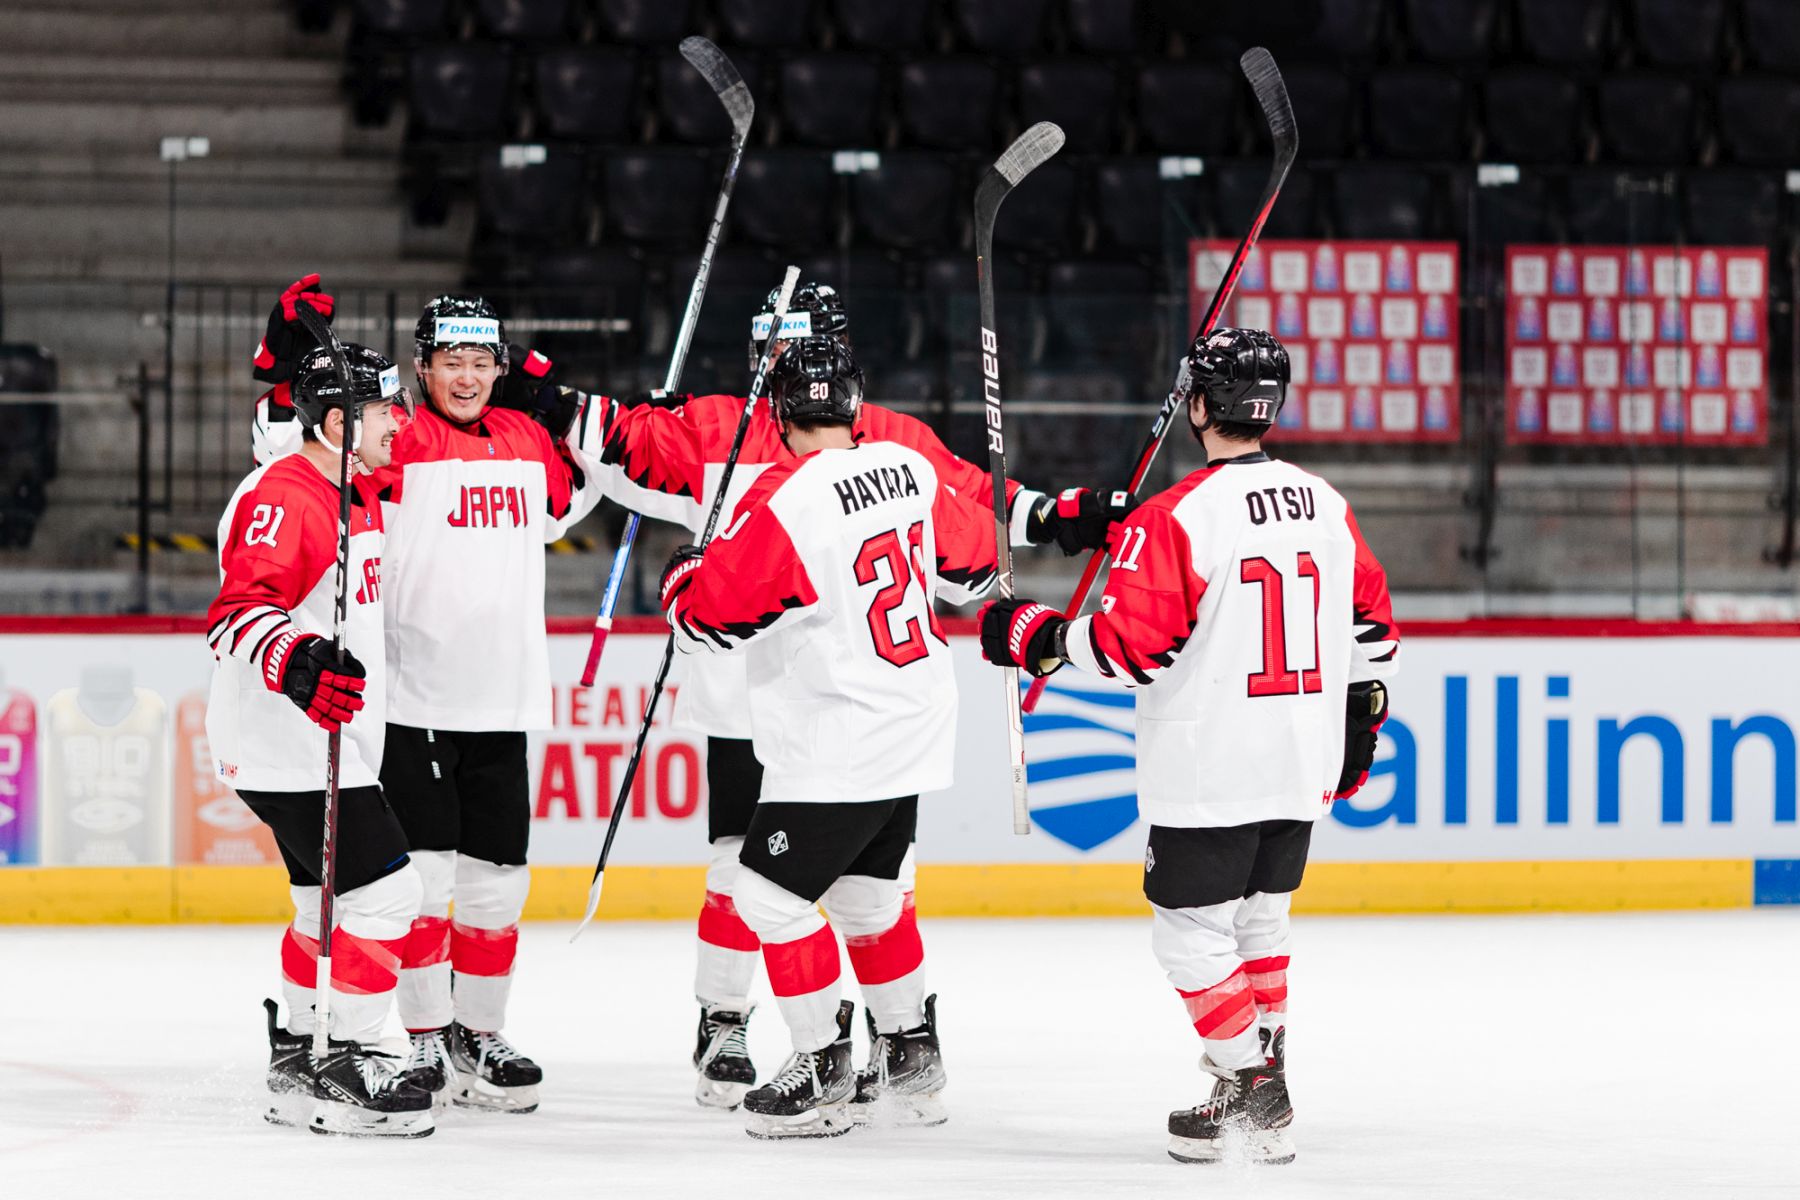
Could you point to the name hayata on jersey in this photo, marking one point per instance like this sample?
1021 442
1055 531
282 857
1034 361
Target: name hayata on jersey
873 487
483 507
1081 762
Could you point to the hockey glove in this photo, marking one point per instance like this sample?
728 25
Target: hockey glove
530 387
1021 633
657 398
1078 519
304 668
678 574
287 340
1365 709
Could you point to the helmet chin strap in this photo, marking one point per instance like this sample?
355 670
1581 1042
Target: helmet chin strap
355 443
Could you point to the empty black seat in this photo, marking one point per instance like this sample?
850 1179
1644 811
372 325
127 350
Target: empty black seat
399 19
882 24
1772 34
1348 28
1759 119
948 103
1132 206
786 199
1646 118
524 20
883 315
764 25
1104 26
831 100
1732 208
1101 309
645 22
1043 219
458 91
1238 186
1533 115
910 203
1379 200
657 196
1620 206
1417 113
688 107
1452 31
1324 100
1530 210
1566 33
1080 95
535 203
587 93
590 283
1009 27
1678 33
1188 107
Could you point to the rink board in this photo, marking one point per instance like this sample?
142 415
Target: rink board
1547 766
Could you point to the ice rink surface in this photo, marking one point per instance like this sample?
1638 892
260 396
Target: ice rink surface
1631 1056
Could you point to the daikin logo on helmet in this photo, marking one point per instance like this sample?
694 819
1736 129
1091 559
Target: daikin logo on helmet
453 331
794 325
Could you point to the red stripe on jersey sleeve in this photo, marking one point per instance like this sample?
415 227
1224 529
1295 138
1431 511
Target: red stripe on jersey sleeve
277 548
751 576
964 531
666 449
1375 629
968 480
1152 597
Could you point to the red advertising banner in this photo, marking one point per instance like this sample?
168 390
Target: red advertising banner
1370 328
1642 344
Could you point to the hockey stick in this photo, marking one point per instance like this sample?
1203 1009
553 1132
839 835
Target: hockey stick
1271 95
1033 149
729 86
712 524
334 740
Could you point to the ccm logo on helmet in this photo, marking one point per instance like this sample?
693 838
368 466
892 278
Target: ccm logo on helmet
453 331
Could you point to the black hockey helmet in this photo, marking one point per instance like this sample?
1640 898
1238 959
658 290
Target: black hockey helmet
317 390
1241 375
816 379
451 321
815 310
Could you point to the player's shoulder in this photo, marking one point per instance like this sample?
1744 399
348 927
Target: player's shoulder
876 423
773 479
517 431
291 481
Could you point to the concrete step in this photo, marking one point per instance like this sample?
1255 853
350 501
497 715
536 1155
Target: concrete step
202 31
241 127
138 79
261 182
207 232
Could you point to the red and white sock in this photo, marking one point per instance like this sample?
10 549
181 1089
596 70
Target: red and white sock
424 994
727 951
803 974
890 967
484 939
1224 1016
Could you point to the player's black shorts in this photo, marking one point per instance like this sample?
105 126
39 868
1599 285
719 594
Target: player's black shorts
733 786
1194 868
370 842
467 792
807 847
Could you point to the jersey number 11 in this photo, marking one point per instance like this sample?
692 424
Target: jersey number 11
1276 678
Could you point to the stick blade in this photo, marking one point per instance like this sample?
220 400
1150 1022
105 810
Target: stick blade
1029 151
723 79
1259 68
593 903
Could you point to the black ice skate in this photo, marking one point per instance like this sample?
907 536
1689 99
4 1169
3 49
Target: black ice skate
361 1093
810 1097
291 1095
1245 1119
491 1074
722 1058
904 1078
428 1067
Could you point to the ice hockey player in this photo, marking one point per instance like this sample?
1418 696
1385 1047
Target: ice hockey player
666 460
824 576
473 494
1246 606
277 689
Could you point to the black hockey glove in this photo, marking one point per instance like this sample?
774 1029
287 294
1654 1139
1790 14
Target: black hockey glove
678 574
1078 519
1021 633
529 386
656 398
1365 709
287 340
304 668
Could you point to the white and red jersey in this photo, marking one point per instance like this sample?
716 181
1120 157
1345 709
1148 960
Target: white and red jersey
278 545
1242 601
668 464
824 574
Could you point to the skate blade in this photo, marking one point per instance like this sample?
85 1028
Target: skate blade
830 1120
1271 1147
334 1118
719 1094
900 1111
485 1097
289 1110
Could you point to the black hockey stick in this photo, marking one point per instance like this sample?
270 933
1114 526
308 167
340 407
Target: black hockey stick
334 743
1271 95
662 673
1035 147
729 86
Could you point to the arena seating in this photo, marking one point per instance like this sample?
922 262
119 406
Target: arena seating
28 441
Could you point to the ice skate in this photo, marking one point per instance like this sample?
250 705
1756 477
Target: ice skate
490 1073
903 1082
722 1058
1245 1119
810 1097
428 1067
362 1093
291 1095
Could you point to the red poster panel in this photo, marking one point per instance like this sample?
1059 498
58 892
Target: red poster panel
1649 345
1370 327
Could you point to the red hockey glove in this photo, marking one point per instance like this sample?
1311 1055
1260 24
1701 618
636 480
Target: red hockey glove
304 668
1078 519
678 574
1021 633
287 340
1365 709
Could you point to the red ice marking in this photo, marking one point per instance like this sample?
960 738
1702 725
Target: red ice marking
427 943
1223 1010
721 926
804 965
483 951
885 957
299 958
121 1106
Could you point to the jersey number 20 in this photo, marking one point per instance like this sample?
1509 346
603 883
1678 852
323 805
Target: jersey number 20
904 565
1277 678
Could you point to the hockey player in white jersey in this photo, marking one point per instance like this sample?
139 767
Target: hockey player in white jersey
823 578
277 690
1245 605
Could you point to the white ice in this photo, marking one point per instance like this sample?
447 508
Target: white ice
1588 1057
